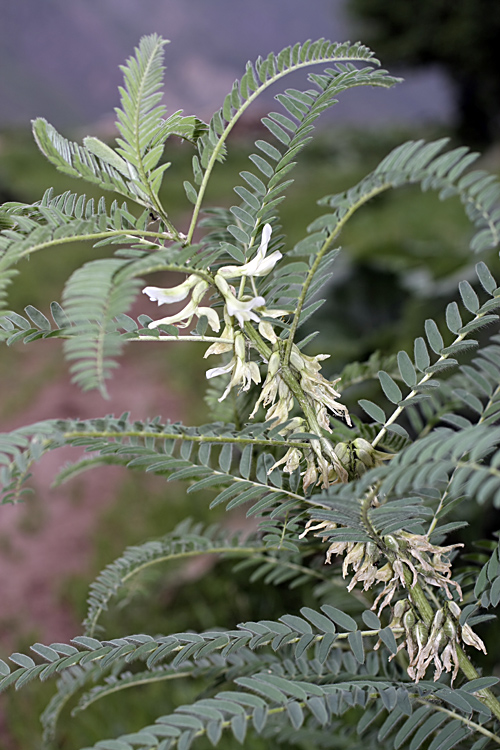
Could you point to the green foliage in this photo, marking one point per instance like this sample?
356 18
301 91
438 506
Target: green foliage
462 42
384 493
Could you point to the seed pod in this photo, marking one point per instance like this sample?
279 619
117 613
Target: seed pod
400 608
372 551
359 468
398 612
409 620
364 452
421 633
343 453
391 542
450 629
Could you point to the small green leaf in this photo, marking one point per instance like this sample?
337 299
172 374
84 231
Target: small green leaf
191 193
239 727
4 668
469 296
371 620
373 410
19 321
246 461
422 359
37 317
453 317
324 647
297 624
235 252
356 643
226 457
407 369
22 660
106 153
390 387
433 336
317 707
296 714
324 624
239 234
339 618
487 281
387 637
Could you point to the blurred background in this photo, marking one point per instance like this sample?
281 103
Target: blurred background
403 256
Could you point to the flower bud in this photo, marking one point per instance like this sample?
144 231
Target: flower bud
239 345
296 359
274 364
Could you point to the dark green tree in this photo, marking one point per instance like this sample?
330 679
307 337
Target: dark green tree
462 37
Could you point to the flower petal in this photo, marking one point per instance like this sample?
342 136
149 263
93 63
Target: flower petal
259 265
172 294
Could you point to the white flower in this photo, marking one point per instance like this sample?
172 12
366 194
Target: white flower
241 309
259 265
243 372
174 294
266 329
185 316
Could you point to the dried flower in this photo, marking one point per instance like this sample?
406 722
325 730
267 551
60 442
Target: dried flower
318 389
291 459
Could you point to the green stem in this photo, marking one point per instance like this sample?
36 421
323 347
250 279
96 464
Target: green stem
322 446
232 122
198 339
468 722
460 337
215 439
427 614
324 248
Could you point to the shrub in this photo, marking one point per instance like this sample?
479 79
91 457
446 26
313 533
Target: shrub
342 503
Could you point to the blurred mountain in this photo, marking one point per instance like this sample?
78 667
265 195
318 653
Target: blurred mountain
60 58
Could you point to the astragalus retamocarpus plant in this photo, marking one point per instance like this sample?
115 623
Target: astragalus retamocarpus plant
340 502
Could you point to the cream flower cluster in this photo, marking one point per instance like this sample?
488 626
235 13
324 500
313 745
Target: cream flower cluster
425 646
437 645
276 396
240 308
243 309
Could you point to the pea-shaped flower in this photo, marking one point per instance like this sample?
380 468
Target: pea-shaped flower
259 265
241 309
178 293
